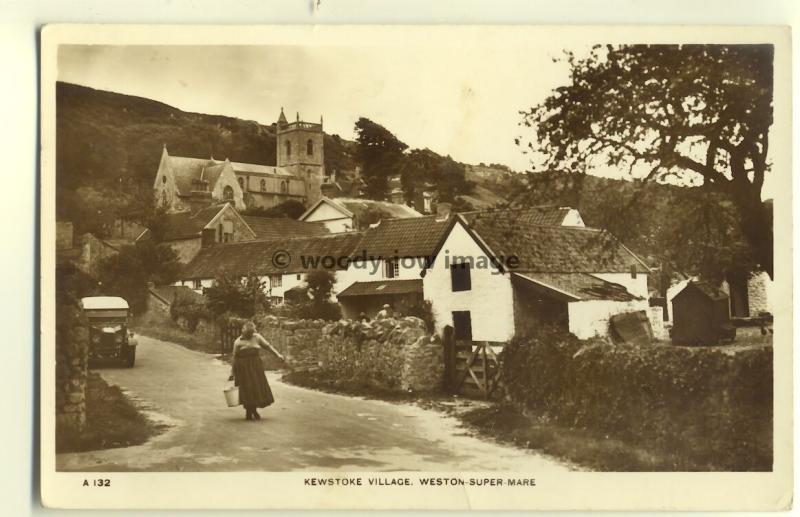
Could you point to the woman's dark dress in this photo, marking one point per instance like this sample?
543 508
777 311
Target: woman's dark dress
248 371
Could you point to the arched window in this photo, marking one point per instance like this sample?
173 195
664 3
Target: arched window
241 182
164 198
309 147
163 179
227 193
263 185
284 187
288 148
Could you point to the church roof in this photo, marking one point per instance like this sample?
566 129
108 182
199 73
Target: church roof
254 168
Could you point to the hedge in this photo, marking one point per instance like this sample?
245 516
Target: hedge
713 403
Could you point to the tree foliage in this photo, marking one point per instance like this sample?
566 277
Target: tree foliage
380 154
242 297
689 114
127 273
423 167
291 209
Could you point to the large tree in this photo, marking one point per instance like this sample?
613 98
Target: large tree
688 114
380 154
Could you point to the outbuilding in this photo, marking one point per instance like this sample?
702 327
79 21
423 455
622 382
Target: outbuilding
701 315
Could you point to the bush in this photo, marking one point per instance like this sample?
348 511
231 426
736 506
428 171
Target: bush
716 402
185 307
242 297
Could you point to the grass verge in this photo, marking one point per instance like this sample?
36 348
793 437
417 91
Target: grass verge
111 421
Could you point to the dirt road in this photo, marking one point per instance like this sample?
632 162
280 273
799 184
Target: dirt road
303 430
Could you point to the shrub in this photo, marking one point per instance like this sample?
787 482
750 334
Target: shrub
714 401
242 297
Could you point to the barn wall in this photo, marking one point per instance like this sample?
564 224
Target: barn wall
590 318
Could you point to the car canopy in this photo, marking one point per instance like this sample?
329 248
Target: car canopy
104 303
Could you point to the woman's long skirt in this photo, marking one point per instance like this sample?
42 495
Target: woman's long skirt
249 375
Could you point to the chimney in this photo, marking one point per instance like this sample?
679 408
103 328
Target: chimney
442 211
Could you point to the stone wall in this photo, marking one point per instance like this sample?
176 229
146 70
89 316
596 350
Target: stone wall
395 354
72 355
297 340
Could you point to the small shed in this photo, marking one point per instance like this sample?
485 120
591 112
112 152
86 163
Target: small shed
701 315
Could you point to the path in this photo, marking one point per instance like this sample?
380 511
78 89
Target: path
304 429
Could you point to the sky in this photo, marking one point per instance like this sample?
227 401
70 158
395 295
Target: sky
460 99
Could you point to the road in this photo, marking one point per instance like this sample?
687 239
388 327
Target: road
305 430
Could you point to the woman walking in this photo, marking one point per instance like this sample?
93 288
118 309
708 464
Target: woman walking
248 371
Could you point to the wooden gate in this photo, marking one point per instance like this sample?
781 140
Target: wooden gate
471 367
228 332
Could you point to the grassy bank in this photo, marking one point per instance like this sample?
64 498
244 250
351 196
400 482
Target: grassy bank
111 421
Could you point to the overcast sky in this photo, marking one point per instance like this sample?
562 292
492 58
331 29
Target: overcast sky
461 100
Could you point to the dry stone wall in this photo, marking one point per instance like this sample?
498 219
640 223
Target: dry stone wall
72 357
296 340
396 354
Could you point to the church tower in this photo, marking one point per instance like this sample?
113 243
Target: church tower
300 152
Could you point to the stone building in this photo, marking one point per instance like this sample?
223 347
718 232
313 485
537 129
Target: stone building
184 184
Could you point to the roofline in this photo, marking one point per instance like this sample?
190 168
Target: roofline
325 199
222 209
548 286
475 237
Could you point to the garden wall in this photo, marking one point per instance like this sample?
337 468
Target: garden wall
394 354
716 402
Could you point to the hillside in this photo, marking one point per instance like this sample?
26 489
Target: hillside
107 140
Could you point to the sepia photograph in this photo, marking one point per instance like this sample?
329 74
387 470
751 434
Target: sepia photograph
426 259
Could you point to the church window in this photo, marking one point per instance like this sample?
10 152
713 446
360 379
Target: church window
263 185
163 179
309 147
227 193
164 198
284 187
288 148
241 182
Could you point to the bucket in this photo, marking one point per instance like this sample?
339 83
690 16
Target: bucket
232 395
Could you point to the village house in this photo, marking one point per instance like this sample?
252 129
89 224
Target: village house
185 184
386 266
497 273
188 232
349 214
296 257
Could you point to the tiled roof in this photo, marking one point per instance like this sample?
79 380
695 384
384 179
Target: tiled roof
382 288
272 228
394 210
413 237
553 249
539 215
188 225
256 257
581 286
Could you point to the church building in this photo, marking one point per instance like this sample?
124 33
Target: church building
184 184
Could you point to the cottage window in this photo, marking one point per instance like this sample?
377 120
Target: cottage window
462 325
392 269
263 185
275 280
198 284
309 147
460 276
227 193
288 148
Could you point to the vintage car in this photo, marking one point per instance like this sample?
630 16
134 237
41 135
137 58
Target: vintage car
109 335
